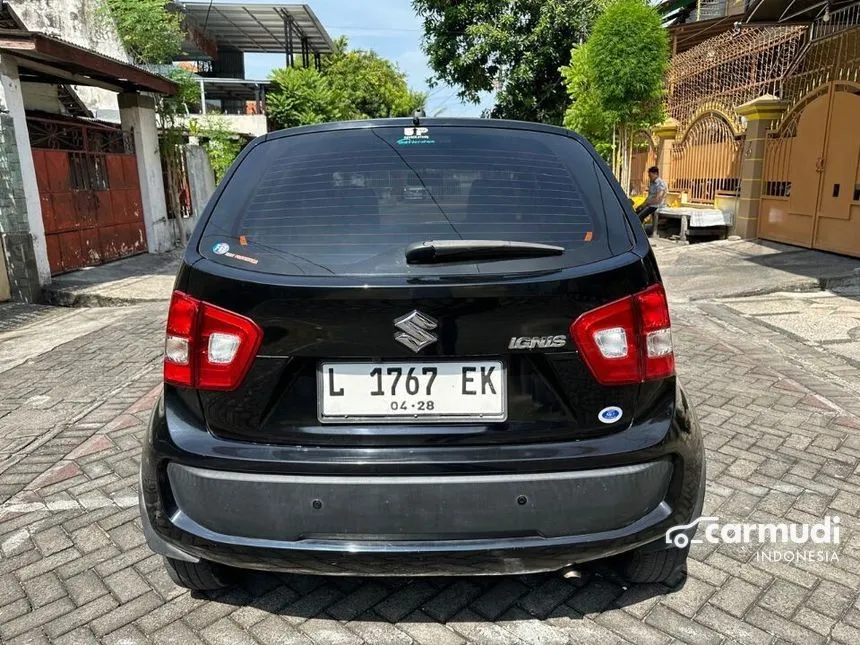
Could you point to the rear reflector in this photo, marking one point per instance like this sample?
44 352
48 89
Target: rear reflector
628 340
207 347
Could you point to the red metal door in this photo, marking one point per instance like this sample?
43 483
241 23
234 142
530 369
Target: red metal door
90 192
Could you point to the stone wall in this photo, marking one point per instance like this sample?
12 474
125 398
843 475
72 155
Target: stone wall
17 243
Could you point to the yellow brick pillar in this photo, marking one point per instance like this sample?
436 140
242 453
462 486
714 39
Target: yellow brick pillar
759 114
666 133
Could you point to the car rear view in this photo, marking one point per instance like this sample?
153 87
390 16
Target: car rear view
419 348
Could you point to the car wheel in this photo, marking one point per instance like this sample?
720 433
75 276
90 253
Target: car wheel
668 566
197 576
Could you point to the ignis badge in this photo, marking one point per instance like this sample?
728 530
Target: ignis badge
537 342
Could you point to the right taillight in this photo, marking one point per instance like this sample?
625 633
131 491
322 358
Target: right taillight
207 347
628 340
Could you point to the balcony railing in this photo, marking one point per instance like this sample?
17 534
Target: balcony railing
832 22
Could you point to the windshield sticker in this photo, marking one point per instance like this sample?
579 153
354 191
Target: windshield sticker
222 248
588 236
415 136
243 241
243 258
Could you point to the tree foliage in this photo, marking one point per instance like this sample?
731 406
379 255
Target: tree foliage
180 103
586 113
303 96
353 84
629 57
371 86
615 79
149 32
222 146
514 46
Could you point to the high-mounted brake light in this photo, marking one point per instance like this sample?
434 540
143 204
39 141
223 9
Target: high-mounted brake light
628 340
207 347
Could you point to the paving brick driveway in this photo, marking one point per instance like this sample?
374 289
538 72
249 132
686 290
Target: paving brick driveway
782 424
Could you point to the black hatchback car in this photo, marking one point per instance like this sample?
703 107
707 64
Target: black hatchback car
479 381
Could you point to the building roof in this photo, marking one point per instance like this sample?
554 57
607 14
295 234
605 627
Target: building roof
44 58
792 11
256 27
711 14
232 88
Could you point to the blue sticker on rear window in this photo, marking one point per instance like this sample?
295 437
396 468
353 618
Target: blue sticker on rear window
221 248
415 136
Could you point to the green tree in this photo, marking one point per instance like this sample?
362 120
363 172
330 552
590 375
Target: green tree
514 46
352 84
372 86
303 96
149 32
181 103
221 145
586 113
615 80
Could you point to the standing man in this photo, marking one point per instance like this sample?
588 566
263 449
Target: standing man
656 195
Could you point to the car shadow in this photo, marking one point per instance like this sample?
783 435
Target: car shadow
436 599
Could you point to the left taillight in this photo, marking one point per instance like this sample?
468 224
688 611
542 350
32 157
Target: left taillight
207 347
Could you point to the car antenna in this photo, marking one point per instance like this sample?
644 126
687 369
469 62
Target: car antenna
417 115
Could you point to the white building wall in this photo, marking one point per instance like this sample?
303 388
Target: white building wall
41 96
82 22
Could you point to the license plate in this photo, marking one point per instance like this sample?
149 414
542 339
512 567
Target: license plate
419 392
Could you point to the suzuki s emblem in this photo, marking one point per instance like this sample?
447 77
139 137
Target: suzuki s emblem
415 329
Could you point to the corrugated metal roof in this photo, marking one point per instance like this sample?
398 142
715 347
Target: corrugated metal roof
257 27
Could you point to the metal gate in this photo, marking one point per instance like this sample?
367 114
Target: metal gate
644 155
707 160
811 187
89 190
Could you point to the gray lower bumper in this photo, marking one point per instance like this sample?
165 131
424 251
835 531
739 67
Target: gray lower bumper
293 508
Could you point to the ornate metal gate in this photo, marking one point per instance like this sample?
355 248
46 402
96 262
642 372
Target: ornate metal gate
707 159
811 188
90 192
644 156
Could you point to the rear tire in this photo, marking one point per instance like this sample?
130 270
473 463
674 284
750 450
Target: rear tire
197 576
667 566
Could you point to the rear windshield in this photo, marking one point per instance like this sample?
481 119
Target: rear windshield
349 202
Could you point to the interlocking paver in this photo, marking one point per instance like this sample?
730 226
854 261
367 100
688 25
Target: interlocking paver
226 632
782 429
736 596
425 632
370 629
44 589
681 627
274 630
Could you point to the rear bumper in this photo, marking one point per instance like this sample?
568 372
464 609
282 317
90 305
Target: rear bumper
574 507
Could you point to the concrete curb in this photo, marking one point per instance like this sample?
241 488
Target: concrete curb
89 300
826 283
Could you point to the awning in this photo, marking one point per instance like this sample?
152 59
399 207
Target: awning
257 27
44 59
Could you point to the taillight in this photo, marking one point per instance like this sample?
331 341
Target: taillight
628 340
207 347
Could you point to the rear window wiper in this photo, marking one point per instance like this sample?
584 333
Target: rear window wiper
438 251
